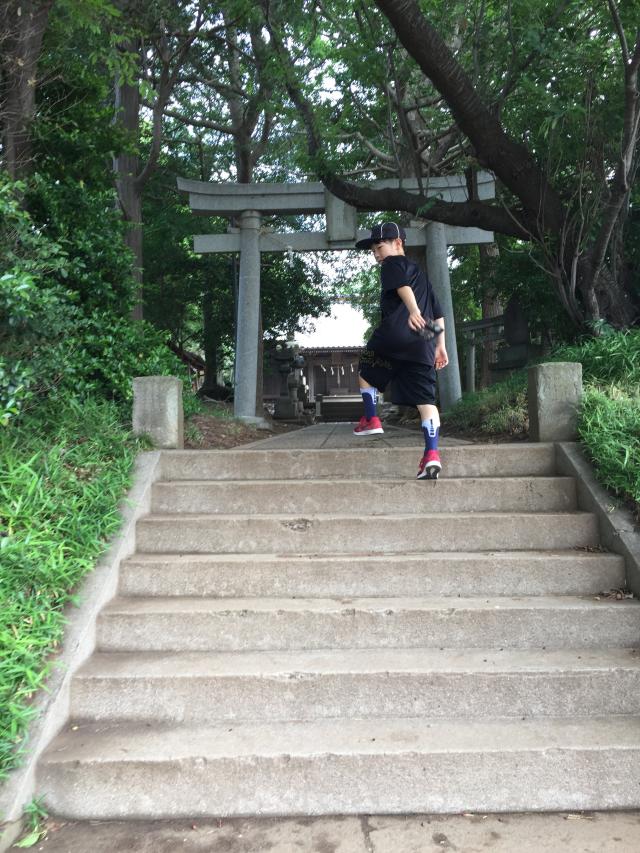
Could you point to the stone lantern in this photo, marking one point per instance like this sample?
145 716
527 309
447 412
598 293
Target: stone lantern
294 392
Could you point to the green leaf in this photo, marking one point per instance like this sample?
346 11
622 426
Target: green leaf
31 839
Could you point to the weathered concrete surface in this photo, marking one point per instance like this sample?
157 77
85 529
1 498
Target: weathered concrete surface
555 391
362 462
157 410
197 624
330 534
263 732
619 531
101 770
449 384
332 435
581 832
567 572
248 322
485 494
295 685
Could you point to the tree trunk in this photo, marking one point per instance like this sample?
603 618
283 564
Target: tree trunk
590 301
23 25
614 298
210 347
127 105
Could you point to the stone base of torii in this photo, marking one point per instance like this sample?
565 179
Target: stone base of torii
248 203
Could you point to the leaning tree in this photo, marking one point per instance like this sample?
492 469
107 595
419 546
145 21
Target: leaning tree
545 95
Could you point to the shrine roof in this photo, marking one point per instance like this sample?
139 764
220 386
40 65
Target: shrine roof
314 350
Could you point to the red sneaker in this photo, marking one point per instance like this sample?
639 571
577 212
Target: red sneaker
368 427
430 466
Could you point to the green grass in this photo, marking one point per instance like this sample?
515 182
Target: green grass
609 422
216 408
35 815
64 469
613 358
609 428
500 410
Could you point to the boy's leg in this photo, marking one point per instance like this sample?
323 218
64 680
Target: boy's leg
369 423
415 384
430 464
369 398
373 376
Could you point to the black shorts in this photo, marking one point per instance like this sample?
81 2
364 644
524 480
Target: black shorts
412 384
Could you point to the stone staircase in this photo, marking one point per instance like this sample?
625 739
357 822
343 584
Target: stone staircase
315 632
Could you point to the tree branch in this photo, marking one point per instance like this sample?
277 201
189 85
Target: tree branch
198 122
510 160
516 70
613 9
620 186
377 152
222 88
166 86
470 213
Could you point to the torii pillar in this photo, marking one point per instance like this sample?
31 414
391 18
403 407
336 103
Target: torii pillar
248 323
449 385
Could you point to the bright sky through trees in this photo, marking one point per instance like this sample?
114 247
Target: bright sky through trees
345 327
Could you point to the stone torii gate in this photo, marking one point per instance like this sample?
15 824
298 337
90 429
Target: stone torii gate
249 202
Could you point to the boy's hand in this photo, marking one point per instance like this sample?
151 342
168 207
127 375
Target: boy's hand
416 321
441 359
424 326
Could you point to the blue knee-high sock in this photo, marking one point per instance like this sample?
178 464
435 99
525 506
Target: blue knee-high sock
431 433
369 400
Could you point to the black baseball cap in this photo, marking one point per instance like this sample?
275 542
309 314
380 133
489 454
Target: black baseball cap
383 231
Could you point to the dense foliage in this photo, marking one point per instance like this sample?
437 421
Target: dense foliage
62 475
65 301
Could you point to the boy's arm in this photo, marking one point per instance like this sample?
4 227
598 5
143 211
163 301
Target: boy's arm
417 321
441 357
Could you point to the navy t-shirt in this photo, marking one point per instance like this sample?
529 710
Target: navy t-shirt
393 337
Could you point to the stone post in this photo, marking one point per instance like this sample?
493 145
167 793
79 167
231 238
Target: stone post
555 392
438 269
157 410
246 371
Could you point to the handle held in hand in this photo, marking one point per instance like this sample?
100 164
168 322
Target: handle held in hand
431 330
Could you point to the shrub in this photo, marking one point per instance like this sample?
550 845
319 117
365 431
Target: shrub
609 428
65 324
613 357
500 409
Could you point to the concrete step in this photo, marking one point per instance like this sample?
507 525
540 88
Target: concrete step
471 683
488 494
473 460
348 534
402 765
493 573
208 624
